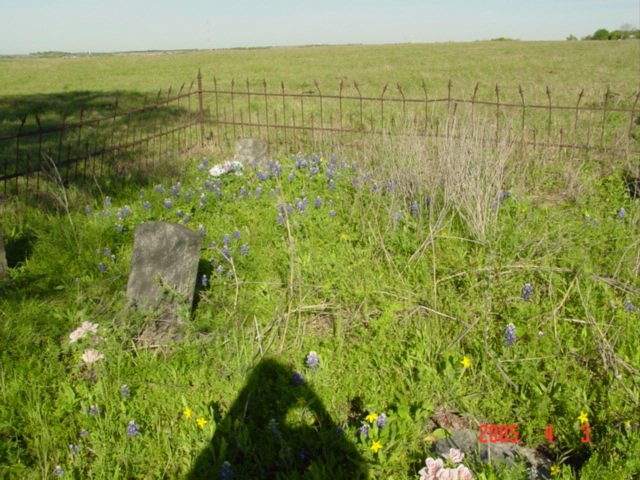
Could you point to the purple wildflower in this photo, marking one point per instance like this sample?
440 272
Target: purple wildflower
244 250
73 449
364 430
226 240
510 335
527 291
297 379
226 472
147 205
204 281
133 429
381 421
124 390
102 267
312 361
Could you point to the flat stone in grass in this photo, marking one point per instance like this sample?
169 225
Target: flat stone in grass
508 454
251 151
162 278
4 267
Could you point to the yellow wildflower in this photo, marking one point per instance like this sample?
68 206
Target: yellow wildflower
583 418
301 401
201 422
376 446
372 417
465 362
187 412
443 233
555 470
344 236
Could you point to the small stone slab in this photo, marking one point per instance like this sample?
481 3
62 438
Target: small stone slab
4 266
251 151
162 278
510 454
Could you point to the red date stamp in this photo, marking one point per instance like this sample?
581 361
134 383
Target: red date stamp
509 433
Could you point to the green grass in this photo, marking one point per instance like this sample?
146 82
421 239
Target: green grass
415 256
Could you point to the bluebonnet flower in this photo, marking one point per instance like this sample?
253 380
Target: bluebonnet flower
126 211
318 202
83 433
204 281
292 177
273 429
275 168
226 253
381 421
243 192
312 361
332 185
141 194
622 213
213 244
175 190
159 188
374 188
596 223
263 176
94 410
213 262
220 269
414 207
280 219
230 273
179 213
339 432
167 203
631 307
147 205
226 472
389 186
500 197
330 203
494 206
124 390
364 430
297 379
201 206
510 335
119 227
87 210
587 219
527 291
236 234
107 201
398 216
73 449
106 251
244 250
186 219
226 240
133 429
58 470
259 191
332 213
201 231
102 267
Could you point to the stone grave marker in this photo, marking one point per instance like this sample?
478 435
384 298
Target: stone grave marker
4 267
251 151
162 278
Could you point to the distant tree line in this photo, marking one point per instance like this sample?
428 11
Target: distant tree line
625 32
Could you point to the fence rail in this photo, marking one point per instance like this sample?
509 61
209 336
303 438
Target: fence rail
82 148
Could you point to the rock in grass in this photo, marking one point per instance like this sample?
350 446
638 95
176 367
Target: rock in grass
162 278
251 151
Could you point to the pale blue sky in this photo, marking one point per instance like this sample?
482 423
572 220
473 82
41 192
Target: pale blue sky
124 25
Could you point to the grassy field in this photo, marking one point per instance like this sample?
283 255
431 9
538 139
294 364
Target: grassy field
449 274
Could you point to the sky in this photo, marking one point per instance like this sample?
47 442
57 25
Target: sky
31 26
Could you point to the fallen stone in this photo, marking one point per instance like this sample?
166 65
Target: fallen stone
508 454
251 151
162 278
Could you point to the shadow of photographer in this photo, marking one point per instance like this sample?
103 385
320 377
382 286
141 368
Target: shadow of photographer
277 430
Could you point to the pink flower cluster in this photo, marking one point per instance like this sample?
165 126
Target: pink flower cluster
226 167
435 469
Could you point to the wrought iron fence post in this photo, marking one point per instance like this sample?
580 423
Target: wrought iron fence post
201 108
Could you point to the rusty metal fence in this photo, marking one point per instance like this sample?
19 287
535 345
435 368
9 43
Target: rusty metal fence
213 112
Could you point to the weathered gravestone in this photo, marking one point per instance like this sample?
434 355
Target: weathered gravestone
251 151
4 267
509 454
162 279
